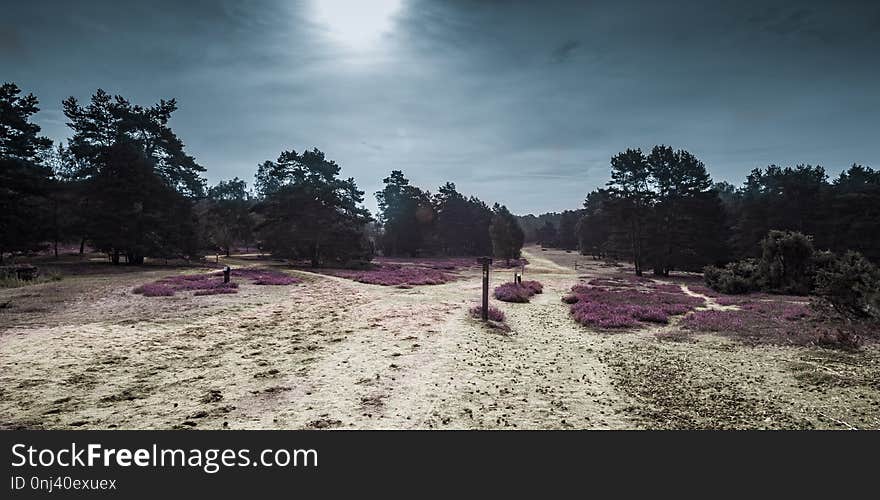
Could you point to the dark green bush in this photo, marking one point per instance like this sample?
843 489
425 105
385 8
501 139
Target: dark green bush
786 264
850 285
734 278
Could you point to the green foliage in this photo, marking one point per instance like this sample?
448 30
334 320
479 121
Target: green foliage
312 213
507 236
547 235
24 180
735 278
787 262
133 178
134 212
225 215
850 285
630 198
462 226
567 234
406 215
108 120
782 198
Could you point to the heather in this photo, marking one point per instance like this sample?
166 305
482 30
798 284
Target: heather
395 275
212 283
627 303
767 321
517 292
495 314
261 276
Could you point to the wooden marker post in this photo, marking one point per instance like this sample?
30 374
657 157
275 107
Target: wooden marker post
484 310
226 272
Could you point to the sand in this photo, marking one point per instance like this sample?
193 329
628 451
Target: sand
331 353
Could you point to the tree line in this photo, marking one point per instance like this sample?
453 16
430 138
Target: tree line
124 184
663 212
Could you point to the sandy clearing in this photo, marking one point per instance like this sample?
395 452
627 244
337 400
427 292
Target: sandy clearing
332 353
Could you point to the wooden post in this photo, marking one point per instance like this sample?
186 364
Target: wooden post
484 312
226 272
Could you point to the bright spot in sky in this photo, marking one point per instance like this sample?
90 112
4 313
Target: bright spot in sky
356 24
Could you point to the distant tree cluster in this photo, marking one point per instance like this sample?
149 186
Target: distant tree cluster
415 222
663 212
660 210
306 211
125 185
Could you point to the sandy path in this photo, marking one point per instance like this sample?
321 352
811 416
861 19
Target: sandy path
332 353
417 361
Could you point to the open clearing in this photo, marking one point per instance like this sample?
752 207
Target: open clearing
86 352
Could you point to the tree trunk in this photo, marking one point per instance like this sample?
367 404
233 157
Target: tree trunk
114 257
82 245
227 251
315 255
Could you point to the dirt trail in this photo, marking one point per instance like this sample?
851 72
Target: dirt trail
333 353
711 303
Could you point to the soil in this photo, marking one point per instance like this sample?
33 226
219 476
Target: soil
330 353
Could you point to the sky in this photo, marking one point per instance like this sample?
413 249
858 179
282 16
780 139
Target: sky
517 102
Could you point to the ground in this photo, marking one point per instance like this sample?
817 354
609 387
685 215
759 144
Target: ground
85 352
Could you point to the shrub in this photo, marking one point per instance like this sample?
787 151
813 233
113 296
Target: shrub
620 307
513 292
850 285
734 278
535 286
787 262
154 290
495 314
394 275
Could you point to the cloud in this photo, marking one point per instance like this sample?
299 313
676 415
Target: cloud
565 51
516 102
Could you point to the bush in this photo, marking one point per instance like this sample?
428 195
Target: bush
515 292
850 285
626 305
735 278
395 275
787 262
535 286
495 314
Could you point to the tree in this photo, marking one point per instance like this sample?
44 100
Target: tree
854 212
567 236
134 212
688 218
782 199
630 199
850 285
462 226
126 156
787 262
507 236
226 215
24 180
312 213
594 228
546 235
406 215
107 121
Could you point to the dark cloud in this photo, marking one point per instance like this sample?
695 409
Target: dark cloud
565 51
518 102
